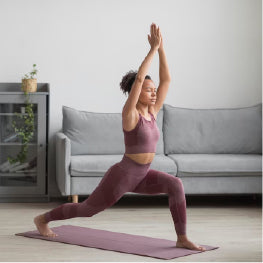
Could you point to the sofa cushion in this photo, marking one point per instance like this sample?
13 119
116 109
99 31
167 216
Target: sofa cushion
199 165
236 130
92 165
97 165
99 133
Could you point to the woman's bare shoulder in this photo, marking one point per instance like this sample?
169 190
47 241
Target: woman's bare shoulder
130 119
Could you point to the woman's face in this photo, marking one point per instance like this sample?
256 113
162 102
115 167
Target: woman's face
148 93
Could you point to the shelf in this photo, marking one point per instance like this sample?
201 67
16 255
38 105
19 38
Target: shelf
14 114
16 183
34 174
17 143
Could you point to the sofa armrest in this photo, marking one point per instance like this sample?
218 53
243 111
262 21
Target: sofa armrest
63 153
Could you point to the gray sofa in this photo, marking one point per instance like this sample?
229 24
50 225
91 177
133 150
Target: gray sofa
213 151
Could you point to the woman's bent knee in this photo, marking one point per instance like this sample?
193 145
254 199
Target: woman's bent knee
176 186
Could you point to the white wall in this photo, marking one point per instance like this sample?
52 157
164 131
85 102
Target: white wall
84 47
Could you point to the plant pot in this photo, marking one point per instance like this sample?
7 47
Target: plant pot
29 85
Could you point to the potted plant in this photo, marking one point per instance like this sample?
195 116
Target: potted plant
29 83
25 128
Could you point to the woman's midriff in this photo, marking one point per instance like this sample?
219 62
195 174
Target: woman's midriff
142 158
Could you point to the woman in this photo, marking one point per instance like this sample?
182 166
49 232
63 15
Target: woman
133 173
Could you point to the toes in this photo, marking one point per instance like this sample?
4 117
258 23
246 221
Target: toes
51 235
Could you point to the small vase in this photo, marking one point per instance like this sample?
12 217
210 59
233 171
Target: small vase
29 85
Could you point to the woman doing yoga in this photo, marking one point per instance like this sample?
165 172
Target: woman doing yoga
133 173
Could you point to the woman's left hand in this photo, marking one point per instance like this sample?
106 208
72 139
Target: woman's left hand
160 34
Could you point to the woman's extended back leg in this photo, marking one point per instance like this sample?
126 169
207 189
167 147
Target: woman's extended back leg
110 189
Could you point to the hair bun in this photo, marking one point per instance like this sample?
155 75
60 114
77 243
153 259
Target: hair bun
128 79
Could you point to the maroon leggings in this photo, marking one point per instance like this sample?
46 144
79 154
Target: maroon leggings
128 176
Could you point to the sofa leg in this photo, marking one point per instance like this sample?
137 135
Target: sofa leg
75 198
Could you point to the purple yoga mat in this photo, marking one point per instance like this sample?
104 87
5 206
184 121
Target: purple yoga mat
121 242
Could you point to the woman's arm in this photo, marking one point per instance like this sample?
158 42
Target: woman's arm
134 95
164 74
154 41
165 78
144 67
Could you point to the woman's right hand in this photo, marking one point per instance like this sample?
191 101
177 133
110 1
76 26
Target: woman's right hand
155 37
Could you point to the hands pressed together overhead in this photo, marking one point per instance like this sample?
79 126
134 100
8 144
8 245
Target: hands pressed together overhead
155 38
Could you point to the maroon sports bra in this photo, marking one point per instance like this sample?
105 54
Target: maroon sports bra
143 138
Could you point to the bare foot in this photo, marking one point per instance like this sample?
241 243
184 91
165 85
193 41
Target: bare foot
190 245
42 227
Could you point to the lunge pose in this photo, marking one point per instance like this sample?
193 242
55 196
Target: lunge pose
133 172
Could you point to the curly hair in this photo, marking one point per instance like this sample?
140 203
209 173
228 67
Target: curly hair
128 79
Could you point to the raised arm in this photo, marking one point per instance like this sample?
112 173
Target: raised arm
134 94
165 78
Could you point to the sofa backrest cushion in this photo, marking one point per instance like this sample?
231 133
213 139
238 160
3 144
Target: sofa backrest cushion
226 130
98 133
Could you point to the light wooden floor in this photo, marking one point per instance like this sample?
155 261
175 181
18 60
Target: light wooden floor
232 223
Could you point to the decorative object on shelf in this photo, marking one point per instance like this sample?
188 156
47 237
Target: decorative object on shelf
26 130
29 83
17 167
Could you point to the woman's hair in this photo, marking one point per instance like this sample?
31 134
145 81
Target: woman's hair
128 79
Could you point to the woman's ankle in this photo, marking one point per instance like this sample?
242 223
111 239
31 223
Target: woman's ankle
43 219
182 237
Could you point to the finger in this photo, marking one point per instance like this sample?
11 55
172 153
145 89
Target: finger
156 30
160 35
152 29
